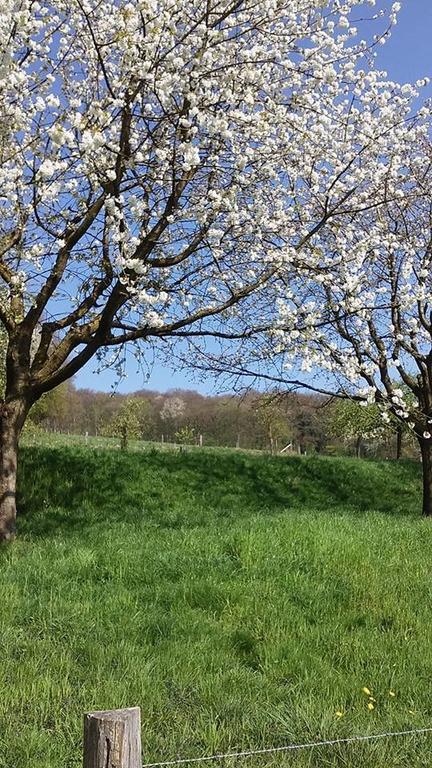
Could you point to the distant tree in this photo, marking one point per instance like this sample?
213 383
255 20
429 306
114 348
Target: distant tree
185 435
172 413
231 422
271 414
50 411
130 421
351 420
305 418
100 411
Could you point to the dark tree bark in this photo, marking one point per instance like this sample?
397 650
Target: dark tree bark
426 454
13 414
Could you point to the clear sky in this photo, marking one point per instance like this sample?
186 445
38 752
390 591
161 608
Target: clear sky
407 56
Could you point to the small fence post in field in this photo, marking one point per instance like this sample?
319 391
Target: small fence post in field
112 739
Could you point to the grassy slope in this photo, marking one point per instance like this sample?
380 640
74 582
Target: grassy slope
240 600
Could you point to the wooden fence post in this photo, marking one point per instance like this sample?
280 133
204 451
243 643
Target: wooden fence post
112 739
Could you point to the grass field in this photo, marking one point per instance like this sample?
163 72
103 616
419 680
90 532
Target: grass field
242 601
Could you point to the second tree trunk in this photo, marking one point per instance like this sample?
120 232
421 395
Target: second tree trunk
426 453
12 418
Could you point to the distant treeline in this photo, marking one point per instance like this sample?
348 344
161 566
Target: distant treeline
300 423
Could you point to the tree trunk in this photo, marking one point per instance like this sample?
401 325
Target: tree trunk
13 414
426 453
358 446
271 440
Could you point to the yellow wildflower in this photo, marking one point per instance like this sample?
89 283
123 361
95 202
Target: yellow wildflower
366 691
339 713
392 694
371 706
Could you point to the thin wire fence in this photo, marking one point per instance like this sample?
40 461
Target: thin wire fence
289 748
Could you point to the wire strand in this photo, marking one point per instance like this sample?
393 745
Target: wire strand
289 747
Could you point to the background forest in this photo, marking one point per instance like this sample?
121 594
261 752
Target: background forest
275 422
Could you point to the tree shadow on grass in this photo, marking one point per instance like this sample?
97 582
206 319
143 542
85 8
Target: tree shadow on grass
68 489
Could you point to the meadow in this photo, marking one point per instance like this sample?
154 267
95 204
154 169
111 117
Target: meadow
243 601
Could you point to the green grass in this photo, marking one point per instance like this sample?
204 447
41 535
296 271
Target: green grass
239 600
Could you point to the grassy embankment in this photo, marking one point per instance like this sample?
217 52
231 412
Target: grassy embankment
241 601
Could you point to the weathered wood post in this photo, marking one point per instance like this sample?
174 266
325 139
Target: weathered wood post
112 739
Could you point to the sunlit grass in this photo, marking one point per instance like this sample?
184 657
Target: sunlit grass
241 601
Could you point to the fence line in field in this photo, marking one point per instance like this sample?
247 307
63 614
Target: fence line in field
112 739
289 747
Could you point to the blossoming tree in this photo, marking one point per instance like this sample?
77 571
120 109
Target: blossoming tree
162 163
355 319
366 319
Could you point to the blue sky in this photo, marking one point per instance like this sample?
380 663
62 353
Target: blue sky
407 56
